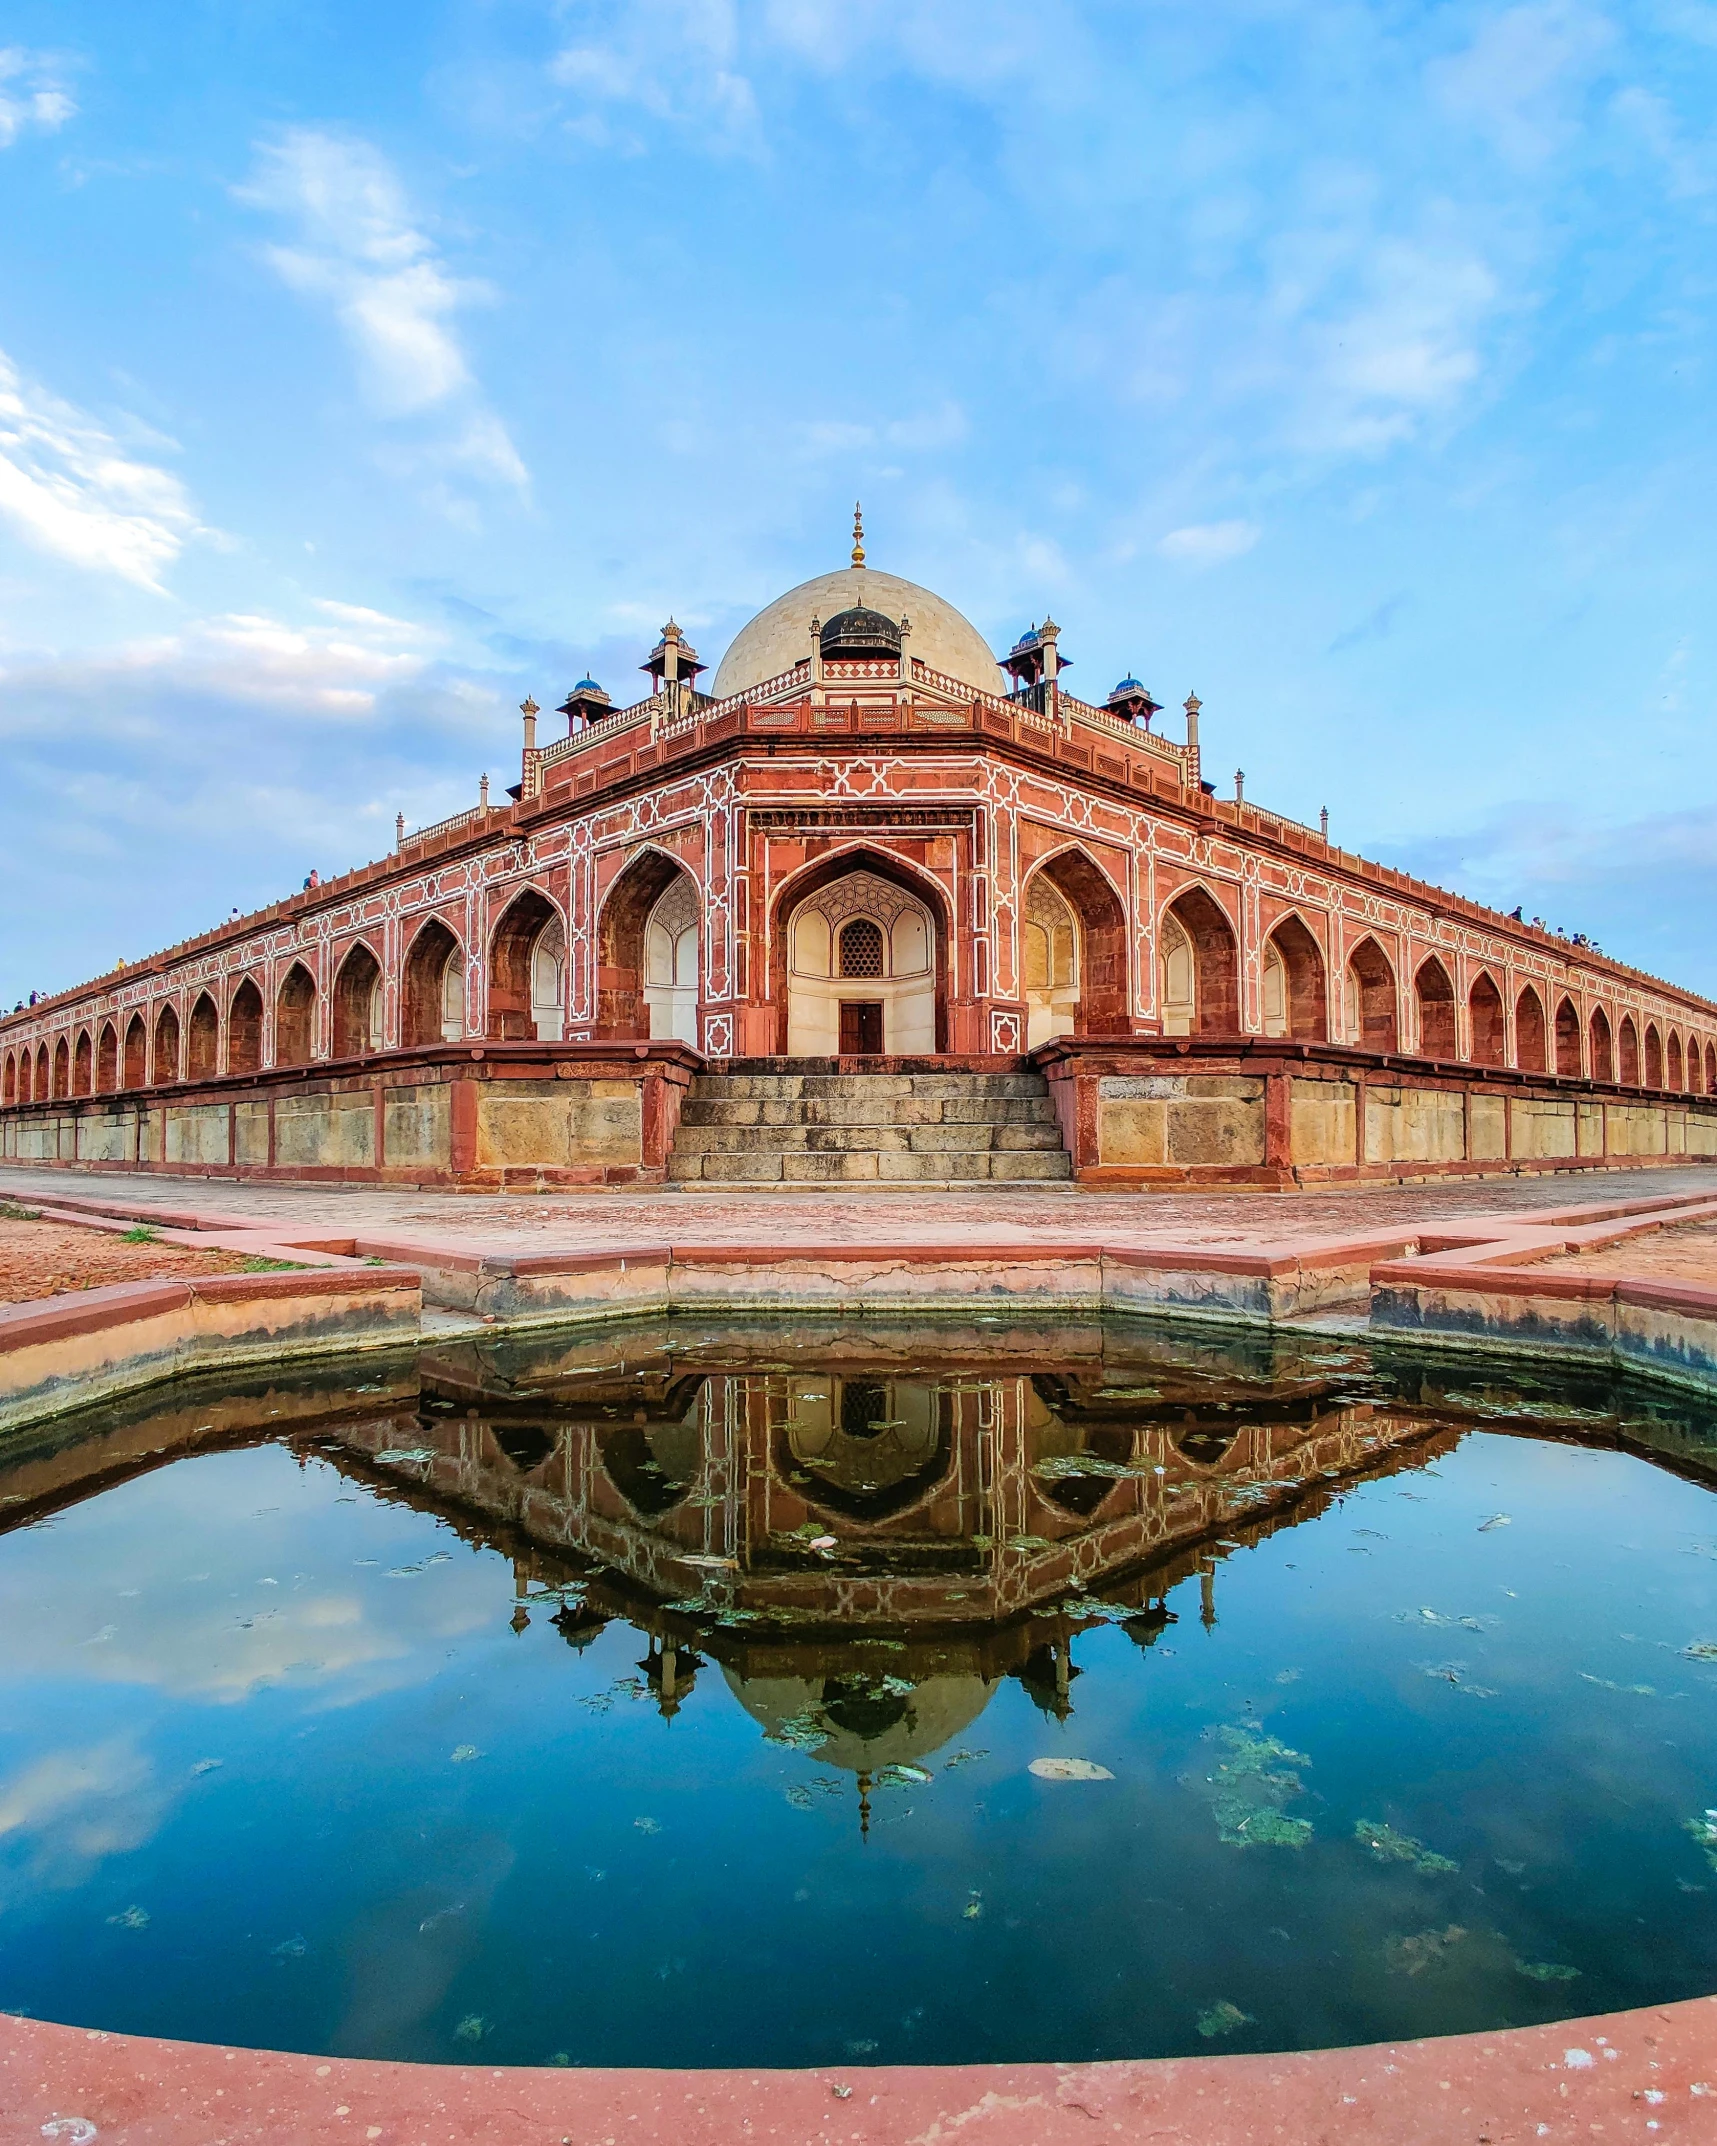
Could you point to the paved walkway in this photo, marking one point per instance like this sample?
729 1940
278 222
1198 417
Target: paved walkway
598 1221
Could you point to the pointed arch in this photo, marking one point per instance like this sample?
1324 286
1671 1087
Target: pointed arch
932 961
106 1060
1098 970
1200 958
1435 994
1653 1056
1568 1039
358 1003
1485 1019
44 1078
83 1064
166 1046
1531 1039
203 1055
1627 1052
1695 1067
9 1082
295 1017
244 1029
1710 1069
1603 1046
1296 1001
136 1070
432 988
624 966
62 1069
527 970
1369 1000
1673 1077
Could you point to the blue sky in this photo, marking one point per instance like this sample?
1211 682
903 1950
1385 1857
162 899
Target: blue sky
362 369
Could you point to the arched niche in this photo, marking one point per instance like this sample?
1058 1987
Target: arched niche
432 989
1673 1062
107 1060
1695 1067
1073 947
672 941
1484 1011
527 972
39 1089
1627 1052
1568 1039
868 1448
860 953
627 955
136 1061
358 1004
9 1081
1653 1056
244 1029
62 1069
83 1065
204 1058
1710 1068
1368 999
295 1018
1603 1046
1436 997
1295 999
1200 962
1530 1036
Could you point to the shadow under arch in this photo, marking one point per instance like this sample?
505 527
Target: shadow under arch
622 1011
1215 961
432 1003
1485 1015
357 1008
1603 1046
295 1018
1371 1004
1303 1013
1101 1006
810 879
1435 991
512 947
1568 1038
244 1029
1531 1038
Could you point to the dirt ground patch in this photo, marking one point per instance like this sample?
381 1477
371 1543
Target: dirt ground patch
1681 1252
44 1259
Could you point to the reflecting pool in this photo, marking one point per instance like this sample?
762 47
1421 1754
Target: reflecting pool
850 1693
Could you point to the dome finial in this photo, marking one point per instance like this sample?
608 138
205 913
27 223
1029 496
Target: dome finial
858 533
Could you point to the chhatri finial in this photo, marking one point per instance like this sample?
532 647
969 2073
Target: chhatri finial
858 534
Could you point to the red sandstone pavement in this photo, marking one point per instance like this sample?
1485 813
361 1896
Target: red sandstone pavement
595 1221
1648 2075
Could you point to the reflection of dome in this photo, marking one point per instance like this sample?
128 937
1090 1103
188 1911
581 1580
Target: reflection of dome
780 635
870 1728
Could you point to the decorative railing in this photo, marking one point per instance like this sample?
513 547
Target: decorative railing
1142 741
473 816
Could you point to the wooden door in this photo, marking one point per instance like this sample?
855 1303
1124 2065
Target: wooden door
861 1028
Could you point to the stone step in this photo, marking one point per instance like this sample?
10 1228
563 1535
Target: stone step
783 1087
758 1167
699 1109
855 1139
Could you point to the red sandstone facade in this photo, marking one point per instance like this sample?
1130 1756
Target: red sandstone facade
861 858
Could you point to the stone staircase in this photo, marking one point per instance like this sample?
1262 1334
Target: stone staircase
808 1124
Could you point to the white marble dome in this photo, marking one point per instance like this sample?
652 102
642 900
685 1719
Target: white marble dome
780 635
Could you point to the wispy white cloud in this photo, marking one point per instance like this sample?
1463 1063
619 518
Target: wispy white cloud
33 95
660 62
1209 543
69 489
1521 81
359 247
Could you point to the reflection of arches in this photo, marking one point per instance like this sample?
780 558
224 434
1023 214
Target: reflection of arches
1603 1055
62 1069
1295 1003
1200 967
204 1060
870 1447
1057 1447
244 1029
1368 998
527 957
295 1018
1075 944
83 1066
358 1004
671 961
623 991
136 1053
909 993
1672 1063
1567 1039
106 1060
1530 1037
432 989
1436 997
1484 1009
654 1466
1627 1052
1653 1056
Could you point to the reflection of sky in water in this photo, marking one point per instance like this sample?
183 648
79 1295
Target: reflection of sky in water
275 1767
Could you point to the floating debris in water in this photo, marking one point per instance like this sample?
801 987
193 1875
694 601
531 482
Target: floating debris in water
290 1948
416 1454
1252 1783
1289 1676
1069 1770
648 1825
472 2028
1701 1650
1496 1520
207 1765
463 1754
1392 1847
1429 1948
963 1758
410 1572
1029 1542
132 1918
903 1776
1222 2017
1704 1831
1546 1971
974 1907
803 1731
440 1915
1642 1691
861 2049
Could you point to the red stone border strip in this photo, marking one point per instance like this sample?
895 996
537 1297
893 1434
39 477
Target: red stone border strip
1644 2075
